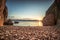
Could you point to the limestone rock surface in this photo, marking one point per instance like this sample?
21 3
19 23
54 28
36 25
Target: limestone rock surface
3 11
52 14
49 20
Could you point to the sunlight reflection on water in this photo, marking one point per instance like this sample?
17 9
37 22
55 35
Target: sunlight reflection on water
27 23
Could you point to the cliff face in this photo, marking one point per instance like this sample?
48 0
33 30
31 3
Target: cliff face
3 10
52 16
5 13
49 20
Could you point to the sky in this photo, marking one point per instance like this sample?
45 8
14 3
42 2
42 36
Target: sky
18 9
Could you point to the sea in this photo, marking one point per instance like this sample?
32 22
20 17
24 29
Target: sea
28 23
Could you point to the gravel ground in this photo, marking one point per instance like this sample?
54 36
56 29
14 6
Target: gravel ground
29 33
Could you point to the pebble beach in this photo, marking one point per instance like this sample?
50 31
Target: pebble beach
29 33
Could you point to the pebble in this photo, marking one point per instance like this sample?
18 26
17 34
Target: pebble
30 33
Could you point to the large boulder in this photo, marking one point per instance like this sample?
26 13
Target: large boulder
8 22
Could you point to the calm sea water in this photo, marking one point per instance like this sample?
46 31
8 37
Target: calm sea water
28 23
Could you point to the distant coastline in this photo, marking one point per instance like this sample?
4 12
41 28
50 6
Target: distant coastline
25 20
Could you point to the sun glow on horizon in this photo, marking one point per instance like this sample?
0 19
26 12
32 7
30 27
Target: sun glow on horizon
40 23
27 18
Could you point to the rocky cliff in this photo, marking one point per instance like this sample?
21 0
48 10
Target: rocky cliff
3 10
52 16
5 13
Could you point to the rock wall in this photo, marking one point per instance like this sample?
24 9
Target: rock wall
2 11
49 20
52 14
5 13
